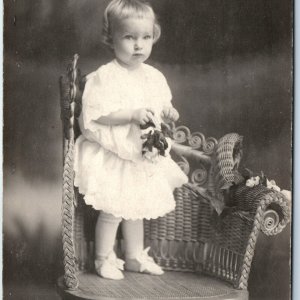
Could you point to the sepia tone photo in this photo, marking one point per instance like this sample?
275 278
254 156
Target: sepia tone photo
147 149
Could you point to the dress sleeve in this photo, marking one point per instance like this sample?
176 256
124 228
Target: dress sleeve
100 98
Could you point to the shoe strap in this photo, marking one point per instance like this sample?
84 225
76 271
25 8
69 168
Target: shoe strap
112 260
145 260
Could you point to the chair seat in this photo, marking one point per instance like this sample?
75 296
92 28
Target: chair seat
171 285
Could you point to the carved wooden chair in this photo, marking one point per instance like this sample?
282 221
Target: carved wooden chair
205 256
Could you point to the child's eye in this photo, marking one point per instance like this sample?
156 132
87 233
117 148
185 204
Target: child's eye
147 37
128 37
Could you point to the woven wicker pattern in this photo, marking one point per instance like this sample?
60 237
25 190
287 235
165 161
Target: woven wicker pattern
265 198
68 100
172 285
67 220
84 233
200 241
225 164
228 157
71 89
191 238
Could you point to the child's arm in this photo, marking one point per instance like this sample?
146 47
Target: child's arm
169 114
140 116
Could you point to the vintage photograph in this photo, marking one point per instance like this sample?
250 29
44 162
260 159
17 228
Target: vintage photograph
147 149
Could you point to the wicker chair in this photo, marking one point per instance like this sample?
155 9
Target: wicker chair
205 256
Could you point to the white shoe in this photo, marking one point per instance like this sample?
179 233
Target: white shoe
110 267
143 263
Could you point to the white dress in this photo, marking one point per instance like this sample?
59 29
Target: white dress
109 168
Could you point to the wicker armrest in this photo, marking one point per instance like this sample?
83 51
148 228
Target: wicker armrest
259 203
268 208
248 212
190 153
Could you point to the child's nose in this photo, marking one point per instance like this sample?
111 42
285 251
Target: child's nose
138 44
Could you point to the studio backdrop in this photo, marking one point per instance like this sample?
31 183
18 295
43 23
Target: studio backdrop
229 67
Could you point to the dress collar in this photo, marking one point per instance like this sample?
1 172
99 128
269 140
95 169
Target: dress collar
125 70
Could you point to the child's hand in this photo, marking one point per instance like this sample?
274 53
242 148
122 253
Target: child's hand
142 115
170 114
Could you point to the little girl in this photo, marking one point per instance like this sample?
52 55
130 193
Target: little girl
110 170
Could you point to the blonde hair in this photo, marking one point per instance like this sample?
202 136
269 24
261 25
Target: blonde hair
122 9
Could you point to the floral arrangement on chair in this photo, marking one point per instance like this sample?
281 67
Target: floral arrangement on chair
251 181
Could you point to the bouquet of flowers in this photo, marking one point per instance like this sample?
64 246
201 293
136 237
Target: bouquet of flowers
157 140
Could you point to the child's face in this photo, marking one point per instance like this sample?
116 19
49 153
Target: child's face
132 41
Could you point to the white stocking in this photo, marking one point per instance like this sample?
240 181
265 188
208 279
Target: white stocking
133 233
136 258
105 235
